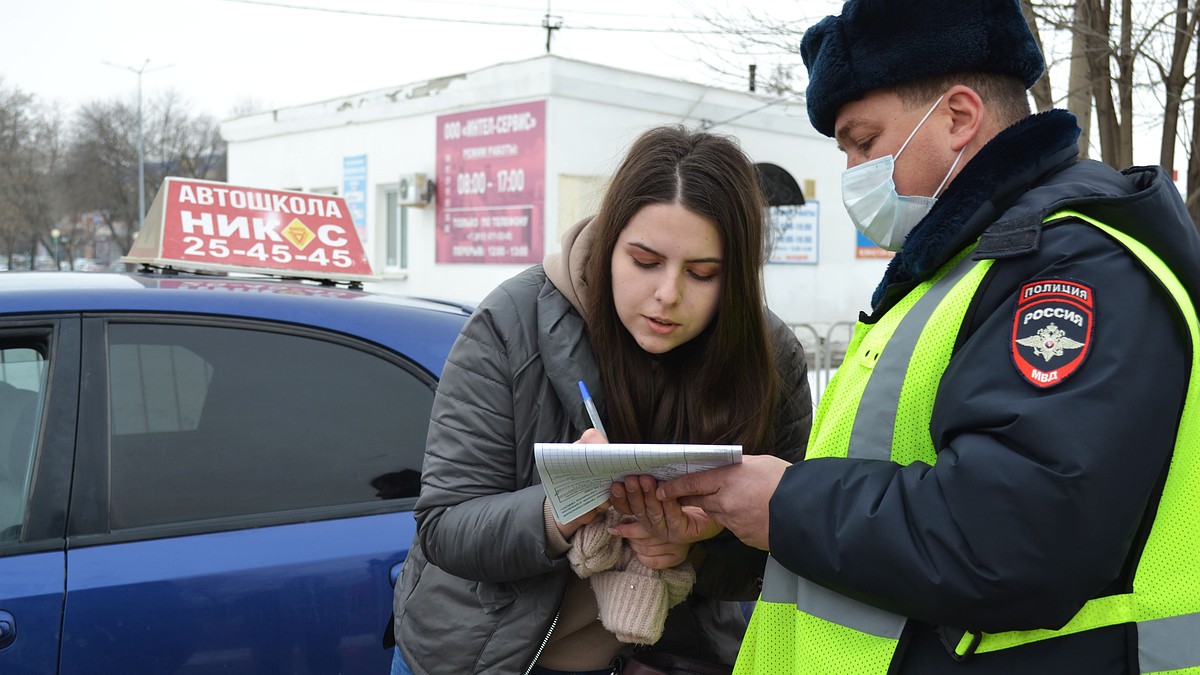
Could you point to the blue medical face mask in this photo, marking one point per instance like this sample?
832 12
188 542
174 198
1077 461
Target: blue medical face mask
877 210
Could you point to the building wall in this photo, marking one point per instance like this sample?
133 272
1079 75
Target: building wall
592 114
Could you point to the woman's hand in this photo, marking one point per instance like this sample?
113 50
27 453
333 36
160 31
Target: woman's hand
666 520
592 436
569 529
650 550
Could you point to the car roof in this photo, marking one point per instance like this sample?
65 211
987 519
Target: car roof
421 328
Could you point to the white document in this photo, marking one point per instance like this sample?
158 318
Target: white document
577 475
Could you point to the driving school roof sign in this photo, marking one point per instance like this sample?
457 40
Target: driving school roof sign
211 226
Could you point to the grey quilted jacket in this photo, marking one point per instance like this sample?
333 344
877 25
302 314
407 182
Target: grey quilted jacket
478 593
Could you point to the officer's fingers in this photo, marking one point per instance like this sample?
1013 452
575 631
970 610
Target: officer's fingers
676 519
709 504
693 484
672 510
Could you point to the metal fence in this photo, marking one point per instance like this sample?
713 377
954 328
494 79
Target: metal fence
824 351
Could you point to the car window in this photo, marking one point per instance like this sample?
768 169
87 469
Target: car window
210 422
22 386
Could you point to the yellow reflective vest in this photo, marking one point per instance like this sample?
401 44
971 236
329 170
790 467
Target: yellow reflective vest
801 627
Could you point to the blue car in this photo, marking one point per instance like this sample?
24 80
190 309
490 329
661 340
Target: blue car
204 474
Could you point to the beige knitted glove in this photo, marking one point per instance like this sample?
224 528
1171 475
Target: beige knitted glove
593 549
634 599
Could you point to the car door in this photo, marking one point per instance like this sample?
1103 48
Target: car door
243 492
39 374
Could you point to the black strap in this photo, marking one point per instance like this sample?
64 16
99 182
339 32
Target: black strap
1010 238
951 637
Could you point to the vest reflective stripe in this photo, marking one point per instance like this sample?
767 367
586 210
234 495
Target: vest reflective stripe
782 586
1165 603
875 422
1169 644
870 361
834 634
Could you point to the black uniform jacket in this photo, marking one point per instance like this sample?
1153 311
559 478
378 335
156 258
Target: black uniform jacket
1041 497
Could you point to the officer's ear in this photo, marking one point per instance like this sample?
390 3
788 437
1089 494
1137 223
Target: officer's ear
967 115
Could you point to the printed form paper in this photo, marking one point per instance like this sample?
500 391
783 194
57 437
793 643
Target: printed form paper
577 475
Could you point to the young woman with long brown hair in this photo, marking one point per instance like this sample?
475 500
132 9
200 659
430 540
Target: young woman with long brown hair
657 304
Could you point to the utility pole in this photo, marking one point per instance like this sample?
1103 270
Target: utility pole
550 23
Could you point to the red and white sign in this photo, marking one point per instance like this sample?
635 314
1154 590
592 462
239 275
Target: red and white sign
212 226
491 184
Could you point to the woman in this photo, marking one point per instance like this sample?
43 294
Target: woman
663 287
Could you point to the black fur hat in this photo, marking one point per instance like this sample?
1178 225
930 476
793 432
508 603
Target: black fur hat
881 43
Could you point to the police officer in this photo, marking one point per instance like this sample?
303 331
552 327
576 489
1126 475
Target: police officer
1004 474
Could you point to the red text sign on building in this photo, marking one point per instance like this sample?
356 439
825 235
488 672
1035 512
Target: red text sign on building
491 184
206 225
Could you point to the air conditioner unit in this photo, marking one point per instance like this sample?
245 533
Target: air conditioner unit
415 190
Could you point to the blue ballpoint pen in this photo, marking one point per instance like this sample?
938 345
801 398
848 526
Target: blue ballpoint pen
591 409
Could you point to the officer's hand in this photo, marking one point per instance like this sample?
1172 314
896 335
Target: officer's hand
737 496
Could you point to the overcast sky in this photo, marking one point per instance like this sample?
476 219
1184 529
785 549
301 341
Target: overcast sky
226 55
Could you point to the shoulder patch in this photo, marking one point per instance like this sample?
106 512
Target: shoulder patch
1052 329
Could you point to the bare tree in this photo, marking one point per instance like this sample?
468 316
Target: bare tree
1079 81
1096 25
30 136
767 44
247 106
1174 77
1043 98
1125 58
1152 61
102 162
1193 172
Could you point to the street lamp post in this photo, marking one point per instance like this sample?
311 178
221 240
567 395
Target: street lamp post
141 151
141 146
55 234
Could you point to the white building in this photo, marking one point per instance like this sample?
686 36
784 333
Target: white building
518 152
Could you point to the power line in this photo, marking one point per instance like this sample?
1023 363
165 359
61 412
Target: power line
484 22
477 5
709 124
356 12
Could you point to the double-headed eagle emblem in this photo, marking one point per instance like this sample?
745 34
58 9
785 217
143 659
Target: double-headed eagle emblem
1049 342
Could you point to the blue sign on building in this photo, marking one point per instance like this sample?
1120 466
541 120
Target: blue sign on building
354 190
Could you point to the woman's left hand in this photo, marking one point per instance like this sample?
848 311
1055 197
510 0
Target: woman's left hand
668 521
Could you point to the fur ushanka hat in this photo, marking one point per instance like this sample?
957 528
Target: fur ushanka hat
875 44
